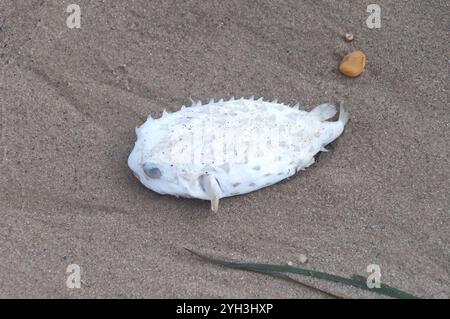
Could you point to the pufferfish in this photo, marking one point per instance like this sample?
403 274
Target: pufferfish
228 148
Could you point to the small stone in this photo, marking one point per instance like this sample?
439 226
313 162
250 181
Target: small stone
349 37
302 258
290 263
353 64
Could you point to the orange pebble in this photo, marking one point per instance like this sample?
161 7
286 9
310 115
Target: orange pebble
353 64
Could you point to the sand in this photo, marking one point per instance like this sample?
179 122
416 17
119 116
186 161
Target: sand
71 98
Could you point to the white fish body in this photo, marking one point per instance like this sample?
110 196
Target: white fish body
223 149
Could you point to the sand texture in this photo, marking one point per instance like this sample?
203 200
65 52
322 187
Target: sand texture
71 98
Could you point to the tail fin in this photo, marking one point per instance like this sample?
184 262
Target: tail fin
343 115
324 111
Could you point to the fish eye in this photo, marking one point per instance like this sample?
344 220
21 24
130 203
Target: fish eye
152 171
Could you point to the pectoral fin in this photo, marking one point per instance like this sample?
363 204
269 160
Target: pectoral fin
211 187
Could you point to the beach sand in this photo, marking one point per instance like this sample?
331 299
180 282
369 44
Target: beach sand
71 98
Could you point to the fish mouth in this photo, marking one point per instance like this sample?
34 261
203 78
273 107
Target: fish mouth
136 175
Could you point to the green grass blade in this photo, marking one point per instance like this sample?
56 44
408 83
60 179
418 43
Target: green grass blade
356 280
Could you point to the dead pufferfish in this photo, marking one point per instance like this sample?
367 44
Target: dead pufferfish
228 148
